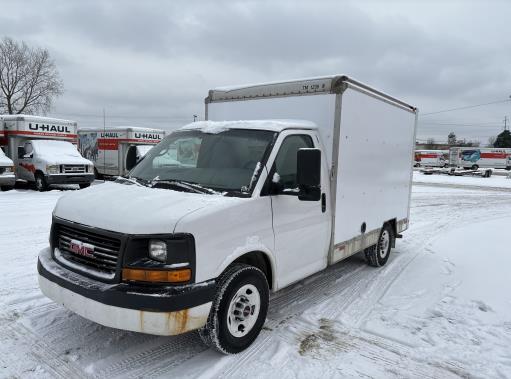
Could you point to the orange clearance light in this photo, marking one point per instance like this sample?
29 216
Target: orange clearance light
159 276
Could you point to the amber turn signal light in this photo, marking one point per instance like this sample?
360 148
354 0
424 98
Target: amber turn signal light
159 276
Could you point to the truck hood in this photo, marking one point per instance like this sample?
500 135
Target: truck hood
63 159
132 209
5 162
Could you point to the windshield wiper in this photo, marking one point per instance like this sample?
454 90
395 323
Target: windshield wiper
133 180
190 187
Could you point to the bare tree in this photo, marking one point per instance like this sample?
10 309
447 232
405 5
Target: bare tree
29 80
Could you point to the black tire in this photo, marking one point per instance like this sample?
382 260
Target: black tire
216 333
40 182
377 255
97 175
84 185
508 168
6 188
475 167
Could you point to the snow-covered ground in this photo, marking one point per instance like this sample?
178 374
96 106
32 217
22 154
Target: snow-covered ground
440 308
498 181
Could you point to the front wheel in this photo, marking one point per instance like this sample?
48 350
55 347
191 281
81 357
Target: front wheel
238 311
6 188
40 182
84 185
378 254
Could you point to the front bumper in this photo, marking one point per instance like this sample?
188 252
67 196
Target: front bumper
69 178
7 180
160 310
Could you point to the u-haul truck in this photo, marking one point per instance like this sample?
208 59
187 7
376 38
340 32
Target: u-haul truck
116 150
431 158
44 151
475 157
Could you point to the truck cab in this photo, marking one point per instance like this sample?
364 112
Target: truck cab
49 162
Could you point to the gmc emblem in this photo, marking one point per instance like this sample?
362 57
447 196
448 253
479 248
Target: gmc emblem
83 249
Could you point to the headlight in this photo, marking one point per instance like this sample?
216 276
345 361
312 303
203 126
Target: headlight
9 169
52 169
158 250
90 168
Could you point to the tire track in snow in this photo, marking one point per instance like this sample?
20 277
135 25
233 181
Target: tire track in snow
41 353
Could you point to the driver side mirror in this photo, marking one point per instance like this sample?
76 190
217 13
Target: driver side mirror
308 174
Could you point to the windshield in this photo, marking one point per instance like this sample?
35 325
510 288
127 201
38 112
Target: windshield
55 148
229 161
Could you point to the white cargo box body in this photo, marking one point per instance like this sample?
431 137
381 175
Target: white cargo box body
476 157
432 158
20 128
368 137
114 149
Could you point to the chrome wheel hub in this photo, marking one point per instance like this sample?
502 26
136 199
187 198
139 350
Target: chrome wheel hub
383 245
243 310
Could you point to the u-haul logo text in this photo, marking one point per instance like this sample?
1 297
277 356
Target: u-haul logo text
49 128
147 136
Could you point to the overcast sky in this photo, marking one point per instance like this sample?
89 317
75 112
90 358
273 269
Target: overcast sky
151 63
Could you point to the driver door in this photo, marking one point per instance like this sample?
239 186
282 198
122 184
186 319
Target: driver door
301 228
26 167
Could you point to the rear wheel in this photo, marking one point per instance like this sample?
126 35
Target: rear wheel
378 254
40 182
238 311
6 188
475 167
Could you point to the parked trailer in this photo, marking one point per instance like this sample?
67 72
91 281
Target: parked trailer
44 151
476 157
116 150
453 171
221 213
431 158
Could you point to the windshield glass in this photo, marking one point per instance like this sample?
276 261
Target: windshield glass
55 148
227 161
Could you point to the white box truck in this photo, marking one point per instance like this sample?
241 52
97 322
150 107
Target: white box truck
116 150
479 157
44 151
7 177
431 158
221 213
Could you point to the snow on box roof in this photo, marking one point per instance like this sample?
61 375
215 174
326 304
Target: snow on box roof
123 128
271 125
32 118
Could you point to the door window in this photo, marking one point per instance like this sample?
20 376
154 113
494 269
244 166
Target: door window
285 162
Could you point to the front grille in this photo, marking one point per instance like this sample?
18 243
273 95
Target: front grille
87 250
73 169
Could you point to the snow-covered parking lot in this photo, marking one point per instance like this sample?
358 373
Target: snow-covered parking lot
441 308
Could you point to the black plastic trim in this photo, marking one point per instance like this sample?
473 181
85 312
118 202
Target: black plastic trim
145 298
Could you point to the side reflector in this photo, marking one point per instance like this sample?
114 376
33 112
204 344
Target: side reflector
160 276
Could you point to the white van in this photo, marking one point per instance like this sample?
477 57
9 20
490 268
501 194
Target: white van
116 150
480 157
220 214
44 152
7 177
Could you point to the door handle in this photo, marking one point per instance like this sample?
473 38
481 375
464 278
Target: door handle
323 202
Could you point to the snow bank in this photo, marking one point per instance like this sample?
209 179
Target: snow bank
495 181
